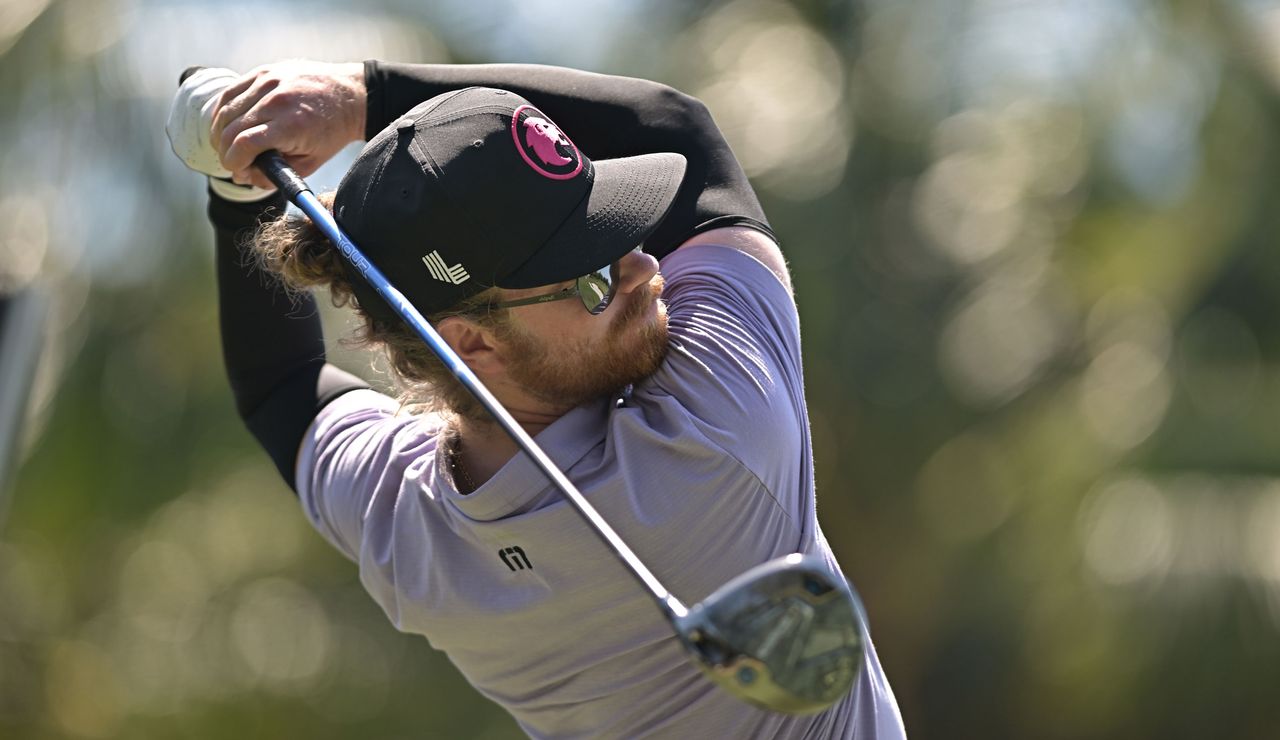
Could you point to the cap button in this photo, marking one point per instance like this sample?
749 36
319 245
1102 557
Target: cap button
404 123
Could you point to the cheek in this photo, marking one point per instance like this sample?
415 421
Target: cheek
563 322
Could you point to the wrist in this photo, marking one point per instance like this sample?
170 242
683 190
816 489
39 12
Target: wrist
228 190
355 100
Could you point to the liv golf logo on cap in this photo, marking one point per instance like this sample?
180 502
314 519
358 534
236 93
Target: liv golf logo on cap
543 145
456 275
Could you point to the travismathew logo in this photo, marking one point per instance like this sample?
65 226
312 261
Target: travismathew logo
543 145
514 558
457 275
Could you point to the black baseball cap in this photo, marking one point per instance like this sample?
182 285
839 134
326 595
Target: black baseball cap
477 188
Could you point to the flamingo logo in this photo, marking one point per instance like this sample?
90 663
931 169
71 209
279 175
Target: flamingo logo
543 145
546 141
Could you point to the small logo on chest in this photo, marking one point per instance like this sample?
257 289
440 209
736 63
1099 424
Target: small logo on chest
514 558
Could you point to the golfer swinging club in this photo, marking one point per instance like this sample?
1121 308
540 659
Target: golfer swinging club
673 399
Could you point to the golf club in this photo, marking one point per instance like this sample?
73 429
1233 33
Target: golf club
787 635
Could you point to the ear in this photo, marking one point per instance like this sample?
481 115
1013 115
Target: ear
473 343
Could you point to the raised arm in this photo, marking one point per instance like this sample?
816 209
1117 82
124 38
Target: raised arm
606 116
310 110
272 342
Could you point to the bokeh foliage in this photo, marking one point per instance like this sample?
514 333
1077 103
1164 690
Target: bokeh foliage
1034 251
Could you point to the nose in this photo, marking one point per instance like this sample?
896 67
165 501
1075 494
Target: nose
636 268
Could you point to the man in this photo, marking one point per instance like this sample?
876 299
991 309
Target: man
673 400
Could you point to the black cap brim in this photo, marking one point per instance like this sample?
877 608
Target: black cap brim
629 198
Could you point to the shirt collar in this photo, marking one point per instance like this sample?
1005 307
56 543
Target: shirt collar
519 483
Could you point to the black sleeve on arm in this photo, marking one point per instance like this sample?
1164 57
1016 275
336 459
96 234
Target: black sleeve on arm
272 343
607 117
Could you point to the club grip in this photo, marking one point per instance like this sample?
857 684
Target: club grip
280 173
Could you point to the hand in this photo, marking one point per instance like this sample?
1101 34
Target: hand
306 110
188 127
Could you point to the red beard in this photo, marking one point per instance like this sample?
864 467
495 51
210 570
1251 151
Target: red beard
570 373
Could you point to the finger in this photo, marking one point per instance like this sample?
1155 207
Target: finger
246 112
247 145
223 115
243 87
304 165
252 176
239 112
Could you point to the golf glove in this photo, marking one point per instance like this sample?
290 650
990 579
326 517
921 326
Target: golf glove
189 127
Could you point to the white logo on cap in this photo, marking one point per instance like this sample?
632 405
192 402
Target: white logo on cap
456 275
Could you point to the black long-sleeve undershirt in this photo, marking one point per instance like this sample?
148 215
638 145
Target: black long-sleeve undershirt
607 117
272 343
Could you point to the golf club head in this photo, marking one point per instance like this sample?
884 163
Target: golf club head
786 635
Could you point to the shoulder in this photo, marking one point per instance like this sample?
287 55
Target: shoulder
750 241
360 432
733 360
353 462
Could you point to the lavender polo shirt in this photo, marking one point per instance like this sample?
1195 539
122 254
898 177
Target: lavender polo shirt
705 471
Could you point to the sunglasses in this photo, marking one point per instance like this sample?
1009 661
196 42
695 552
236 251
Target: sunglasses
595 290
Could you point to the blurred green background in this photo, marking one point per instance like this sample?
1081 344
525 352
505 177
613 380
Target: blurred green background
1034 244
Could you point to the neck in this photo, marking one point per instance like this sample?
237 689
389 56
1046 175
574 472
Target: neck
482 447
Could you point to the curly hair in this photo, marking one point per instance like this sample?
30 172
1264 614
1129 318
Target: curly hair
296 251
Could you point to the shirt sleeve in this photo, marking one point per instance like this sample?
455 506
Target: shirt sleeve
353 459
734 360
272 341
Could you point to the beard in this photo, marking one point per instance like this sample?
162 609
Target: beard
570 373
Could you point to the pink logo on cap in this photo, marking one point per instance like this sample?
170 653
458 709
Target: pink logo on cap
543 145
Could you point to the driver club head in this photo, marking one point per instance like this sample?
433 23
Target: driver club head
786 635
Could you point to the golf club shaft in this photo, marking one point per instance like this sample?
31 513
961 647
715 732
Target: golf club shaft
284 177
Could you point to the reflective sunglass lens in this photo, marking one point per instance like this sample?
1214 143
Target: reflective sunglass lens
598 288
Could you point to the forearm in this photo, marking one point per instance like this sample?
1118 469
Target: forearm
272 342
607 117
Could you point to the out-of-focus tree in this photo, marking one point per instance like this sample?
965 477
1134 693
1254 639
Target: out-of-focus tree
1033 245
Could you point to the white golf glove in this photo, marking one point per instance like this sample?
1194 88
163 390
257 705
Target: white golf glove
190 124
